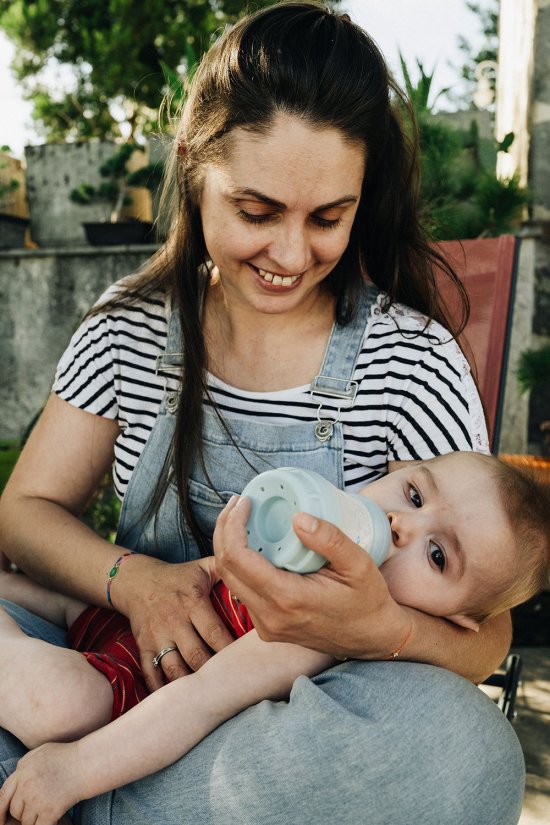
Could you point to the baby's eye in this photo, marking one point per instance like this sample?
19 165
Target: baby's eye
415 497
437 556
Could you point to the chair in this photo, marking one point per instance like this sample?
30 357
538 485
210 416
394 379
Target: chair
488 267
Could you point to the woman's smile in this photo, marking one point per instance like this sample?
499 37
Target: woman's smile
275 281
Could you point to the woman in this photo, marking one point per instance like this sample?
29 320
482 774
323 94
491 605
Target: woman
259 337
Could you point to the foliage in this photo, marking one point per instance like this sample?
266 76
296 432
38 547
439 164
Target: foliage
6 187
114 190
114 51
462 196
9 453
419 95
534 369
488 14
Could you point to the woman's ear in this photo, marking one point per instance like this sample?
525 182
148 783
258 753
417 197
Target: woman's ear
464 621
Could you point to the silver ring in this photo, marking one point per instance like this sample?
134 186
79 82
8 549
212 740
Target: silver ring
163 652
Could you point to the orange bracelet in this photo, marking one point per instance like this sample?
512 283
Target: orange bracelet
397 652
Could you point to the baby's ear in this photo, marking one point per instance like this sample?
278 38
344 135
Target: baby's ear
464 621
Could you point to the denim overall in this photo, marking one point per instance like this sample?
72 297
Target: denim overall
317 445
364 743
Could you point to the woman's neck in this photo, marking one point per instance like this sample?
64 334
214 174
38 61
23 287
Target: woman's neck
265 352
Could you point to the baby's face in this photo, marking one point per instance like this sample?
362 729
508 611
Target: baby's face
451 537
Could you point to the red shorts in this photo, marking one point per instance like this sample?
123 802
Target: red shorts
105 638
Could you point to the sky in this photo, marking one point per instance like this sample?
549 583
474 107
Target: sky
427 30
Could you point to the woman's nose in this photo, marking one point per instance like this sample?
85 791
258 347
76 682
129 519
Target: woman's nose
290 249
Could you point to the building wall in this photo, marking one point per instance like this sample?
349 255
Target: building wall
523 107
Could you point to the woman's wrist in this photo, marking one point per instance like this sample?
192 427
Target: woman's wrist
395 640
124 577
114 572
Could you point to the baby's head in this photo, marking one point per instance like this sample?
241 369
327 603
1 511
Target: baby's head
471 535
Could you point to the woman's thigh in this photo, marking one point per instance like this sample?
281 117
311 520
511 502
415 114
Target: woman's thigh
380 743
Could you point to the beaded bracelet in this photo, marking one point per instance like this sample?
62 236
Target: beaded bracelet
114 570
397 652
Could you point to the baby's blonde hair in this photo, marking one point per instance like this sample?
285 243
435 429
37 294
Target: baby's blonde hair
526 504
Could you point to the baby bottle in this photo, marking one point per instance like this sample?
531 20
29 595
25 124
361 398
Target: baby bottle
277 494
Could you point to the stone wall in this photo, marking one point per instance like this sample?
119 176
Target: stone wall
44 294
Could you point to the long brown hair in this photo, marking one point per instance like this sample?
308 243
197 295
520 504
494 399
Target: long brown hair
301 59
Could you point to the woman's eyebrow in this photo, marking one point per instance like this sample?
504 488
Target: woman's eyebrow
253 193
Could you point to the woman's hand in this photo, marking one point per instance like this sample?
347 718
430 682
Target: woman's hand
43 787
344 609
169 606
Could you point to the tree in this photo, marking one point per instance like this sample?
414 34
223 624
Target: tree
113 52
488 15
462 196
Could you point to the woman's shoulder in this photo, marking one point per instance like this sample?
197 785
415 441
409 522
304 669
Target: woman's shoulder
401 317
122 300
398 326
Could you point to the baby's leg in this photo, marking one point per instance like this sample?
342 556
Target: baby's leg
54 607
48 693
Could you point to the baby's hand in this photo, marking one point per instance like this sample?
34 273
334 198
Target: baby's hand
43 787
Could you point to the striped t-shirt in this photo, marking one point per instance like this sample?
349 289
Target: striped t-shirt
416 397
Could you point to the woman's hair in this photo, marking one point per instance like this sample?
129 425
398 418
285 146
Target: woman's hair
306 61
526 502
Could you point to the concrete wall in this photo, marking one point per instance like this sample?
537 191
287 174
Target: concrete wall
54 170
43 296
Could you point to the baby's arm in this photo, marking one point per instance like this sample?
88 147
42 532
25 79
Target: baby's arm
158 731
54 607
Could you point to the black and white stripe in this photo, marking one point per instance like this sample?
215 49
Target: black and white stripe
416 396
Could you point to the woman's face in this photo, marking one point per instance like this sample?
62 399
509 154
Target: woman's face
277 215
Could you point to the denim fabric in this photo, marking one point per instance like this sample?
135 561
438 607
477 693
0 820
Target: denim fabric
380 743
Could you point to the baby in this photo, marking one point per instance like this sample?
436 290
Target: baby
470 538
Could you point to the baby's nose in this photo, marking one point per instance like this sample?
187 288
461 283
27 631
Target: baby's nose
402 529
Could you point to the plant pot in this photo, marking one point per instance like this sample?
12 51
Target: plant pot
119 234
12 231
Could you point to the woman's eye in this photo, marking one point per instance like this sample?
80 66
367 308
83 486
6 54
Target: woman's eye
437 556
325 223
415 497
250 217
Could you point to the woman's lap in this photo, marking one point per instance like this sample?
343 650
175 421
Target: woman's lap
382 743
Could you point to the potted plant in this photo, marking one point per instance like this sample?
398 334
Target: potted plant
12 226
113 193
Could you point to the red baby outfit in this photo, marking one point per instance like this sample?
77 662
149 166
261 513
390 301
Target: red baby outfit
105 638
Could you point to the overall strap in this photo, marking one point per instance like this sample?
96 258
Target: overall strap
335 380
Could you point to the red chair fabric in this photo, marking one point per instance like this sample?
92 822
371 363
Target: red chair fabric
487 267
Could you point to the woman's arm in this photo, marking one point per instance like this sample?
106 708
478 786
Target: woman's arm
345 609
64 461
158 731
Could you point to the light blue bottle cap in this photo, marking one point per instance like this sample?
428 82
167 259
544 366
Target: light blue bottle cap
276 496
